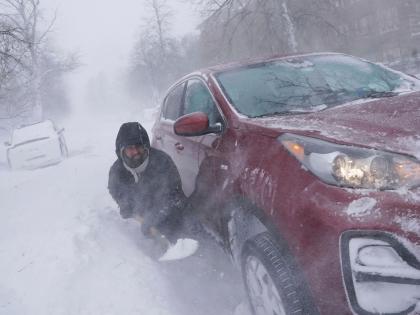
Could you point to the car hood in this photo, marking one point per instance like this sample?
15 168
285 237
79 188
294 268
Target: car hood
391 124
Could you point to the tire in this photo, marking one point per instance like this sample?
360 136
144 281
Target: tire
271 283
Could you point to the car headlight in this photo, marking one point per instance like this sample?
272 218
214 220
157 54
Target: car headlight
353 167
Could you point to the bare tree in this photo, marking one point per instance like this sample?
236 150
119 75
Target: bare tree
246 28
156 57
235 29
13 72
26 59
317 23
211 7
23 16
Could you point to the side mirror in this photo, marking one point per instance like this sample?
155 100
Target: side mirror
195 124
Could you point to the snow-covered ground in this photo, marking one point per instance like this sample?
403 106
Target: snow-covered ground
65 250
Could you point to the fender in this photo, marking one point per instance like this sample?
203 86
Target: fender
246 221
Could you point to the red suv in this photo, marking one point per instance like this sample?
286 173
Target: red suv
306 170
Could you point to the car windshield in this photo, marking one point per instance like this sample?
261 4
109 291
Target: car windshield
308 84
36 131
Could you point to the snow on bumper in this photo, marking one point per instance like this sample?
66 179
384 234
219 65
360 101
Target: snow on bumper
381 273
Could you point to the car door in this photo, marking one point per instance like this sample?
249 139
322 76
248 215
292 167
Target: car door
195 157
209 166
197 98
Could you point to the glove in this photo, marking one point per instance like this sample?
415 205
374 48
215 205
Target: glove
126 212
126 208
153 219
146 229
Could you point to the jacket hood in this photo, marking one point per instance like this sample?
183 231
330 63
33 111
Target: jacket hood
131 133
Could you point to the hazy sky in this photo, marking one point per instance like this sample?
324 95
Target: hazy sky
103 31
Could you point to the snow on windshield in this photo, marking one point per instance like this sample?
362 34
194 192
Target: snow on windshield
309 83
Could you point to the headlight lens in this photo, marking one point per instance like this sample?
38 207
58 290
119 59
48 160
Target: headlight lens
353 167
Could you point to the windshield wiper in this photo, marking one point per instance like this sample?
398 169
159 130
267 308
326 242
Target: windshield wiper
378 94
285 113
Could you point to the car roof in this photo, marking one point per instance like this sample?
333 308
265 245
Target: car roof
247 62
33 131
205 72
45 122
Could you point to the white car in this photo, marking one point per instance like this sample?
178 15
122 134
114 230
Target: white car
36 145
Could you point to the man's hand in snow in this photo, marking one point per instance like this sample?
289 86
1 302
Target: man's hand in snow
153 219
126 212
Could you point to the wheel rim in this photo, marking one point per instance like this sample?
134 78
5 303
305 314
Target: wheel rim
264 296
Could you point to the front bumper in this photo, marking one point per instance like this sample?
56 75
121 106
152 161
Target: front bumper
381 273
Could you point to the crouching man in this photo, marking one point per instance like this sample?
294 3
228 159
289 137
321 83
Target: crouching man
145 183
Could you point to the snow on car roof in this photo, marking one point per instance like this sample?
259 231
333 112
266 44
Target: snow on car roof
34 131
251 61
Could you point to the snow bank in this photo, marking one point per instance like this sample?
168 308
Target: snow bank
65 250
63 247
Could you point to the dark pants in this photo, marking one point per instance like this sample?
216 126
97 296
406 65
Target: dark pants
181 224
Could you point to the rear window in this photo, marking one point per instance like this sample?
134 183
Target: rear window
173 102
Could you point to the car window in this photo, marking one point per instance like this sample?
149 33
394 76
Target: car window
199 99
173 102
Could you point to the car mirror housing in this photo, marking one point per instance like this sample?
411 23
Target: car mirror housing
194 124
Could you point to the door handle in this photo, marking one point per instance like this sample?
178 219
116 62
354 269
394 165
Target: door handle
179 146
158 137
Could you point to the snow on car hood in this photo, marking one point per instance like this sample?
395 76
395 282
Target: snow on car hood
391 124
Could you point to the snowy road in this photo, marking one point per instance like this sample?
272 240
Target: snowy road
65 250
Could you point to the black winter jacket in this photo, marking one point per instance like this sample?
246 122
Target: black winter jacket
157 196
